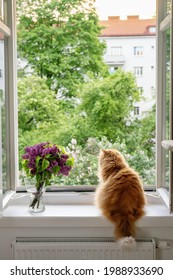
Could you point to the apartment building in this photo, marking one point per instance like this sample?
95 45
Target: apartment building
131 45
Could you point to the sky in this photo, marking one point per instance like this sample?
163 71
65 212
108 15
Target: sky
122 8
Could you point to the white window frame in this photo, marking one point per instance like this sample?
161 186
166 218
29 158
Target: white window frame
12 98
10 75
164 21
1 10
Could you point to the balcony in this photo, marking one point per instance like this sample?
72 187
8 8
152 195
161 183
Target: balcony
114 59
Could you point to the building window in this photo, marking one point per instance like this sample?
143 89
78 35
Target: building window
136 111
152 29
138 51
113 69
138 71
0 73
116 51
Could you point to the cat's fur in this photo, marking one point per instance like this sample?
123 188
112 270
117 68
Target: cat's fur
120 195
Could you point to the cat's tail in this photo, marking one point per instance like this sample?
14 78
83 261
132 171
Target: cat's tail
127 242
125 231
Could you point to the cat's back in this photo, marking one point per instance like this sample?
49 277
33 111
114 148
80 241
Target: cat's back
126 173
125 177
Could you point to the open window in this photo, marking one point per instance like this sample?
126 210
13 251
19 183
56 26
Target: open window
8 104
164 101
8 101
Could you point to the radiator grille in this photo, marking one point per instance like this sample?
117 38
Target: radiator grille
80 249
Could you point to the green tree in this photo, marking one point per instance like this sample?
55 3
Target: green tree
106 106
37 103
41 116
59 40
144 132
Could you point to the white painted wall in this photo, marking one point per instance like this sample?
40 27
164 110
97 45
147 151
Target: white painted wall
74 215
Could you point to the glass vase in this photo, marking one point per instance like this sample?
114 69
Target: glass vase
36 204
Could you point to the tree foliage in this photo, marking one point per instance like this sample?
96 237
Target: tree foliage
107 104
94 125
85 169
144 132
59 40
37 103
41 116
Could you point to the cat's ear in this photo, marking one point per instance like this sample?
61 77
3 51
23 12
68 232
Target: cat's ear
102 151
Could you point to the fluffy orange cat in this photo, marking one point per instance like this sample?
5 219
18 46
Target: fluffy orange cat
120 195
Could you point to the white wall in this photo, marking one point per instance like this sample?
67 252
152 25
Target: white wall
10 233
74 215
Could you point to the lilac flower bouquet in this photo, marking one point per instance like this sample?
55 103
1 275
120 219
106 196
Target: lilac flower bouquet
44 161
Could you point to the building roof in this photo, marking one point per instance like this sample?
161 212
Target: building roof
132 26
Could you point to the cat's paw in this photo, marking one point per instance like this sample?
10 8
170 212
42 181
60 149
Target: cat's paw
127 242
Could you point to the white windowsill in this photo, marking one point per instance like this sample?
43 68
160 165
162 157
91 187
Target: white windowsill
76 210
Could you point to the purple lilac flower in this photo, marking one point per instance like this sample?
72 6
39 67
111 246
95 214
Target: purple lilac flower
52 164
31 163
62 160
25 156
64 170
52 154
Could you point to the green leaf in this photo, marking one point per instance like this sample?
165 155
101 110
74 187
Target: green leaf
70 161
55 169
47 175
45 164
63 151
37 161
38 177
24 163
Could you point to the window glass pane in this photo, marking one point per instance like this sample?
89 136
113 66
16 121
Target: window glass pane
167 96
138 51
138 71
152 29
3 159
3 11
116 51
72 99
168 6
136 111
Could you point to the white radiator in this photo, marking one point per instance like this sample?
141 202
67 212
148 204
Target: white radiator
80 249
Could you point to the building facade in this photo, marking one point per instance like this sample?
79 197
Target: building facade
131 45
